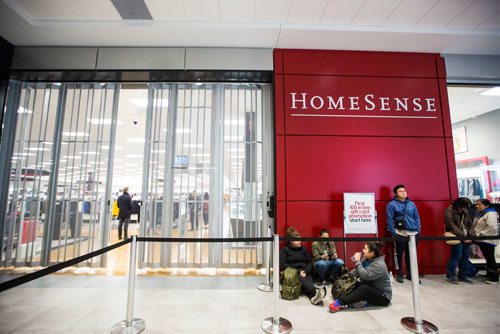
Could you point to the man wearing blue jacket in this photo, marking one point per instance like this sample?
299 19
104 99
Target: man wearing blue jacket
402 215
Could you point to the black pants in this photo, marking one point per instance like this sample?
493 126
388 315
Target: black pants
488 251
365 292
123 223
193 217
402 245
307 286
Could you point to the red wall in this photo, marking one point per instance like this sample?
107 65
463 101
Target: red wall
324 149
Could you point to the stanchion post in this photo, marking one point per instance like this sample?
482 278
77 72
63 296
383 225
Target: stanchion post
130 325
268 285
416 324
275 324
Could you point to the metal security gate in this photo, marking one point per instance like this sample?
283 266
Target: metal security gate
55 203
201 170
204 150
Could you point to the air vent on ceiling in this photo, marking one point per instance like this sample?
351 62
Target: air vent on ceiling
132 9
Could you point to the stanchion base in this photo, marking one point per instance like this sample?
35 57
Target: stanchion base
136 326
284 326
427 327
265 287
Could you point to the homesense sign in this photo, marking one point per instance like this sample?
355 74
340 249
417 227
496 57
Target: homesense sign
368 102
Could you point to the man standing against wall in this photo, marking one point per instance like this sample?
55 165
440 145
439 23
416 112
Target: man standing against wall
402 215
125 210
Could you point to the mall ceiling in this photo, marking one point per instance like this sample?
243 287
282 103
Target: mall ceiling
441 26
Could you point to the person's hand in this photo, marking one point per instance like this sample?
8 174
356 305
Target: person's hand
467 241
302 273
357 256
325 256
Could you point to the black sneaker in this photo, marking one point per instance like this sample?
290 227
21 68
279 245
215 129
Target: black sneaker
399 279
466 280
452 280
408 277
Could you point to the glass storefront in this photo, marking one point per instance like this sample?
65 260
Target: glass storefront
475 115
191 154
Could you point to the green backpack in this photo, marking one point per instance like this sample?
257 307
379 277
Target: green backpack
344 284
290 284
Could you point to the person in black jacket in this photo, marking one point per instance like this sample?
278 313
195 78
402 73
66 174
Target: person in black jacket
458 221
125 210
297 257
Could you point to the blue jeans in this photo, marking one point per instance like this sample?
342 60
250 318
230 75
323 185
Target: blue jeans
328 268
459 255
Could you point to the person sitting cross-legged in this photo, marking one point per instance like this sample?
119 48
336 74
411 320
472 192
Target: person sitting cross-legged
374 283
297 257
326 262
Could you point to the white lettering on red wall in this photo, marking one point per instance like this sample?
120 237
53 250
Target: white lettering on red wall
305 104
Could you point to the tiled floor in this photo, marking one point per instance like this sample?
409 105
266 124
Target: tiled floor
93 304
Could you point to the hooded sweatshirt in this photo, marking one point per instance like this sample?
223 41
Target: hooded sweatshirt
374 273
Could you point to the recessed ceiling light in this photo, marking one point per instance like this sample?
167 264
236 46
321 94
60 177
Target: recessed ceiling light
492 92
143 103
76 134
105 121
181 130
22 110
136 140
234 122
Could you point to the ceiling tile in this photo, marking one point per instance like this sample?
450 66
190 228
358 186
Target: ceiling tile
443 13
97 10
341 11
34 9
19 31
492 23
63 10
166 10
375 12
409 12
306 11
272 11
202 10
237 11
475 15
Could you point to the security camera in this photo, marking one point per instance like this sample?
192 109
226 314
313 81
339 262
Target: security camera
135 122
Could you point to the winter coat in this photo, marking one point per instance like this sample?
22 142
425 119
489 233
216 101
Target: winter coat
486 224
295 257
319 248
459 223
374 273
125 205
406 210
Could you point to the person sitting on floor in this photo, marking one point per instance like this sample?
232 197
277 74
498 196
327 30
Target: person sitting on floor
374 285
327 264
297 257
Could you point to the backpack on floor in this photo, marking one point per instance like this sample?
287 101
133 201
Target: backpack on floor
344 284
290 284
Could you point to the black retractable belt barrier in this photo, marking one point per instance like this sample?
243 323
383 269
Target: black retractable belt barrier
56 267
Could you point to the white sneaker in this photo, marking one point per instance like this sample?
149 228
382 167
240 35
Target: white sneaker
318 297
